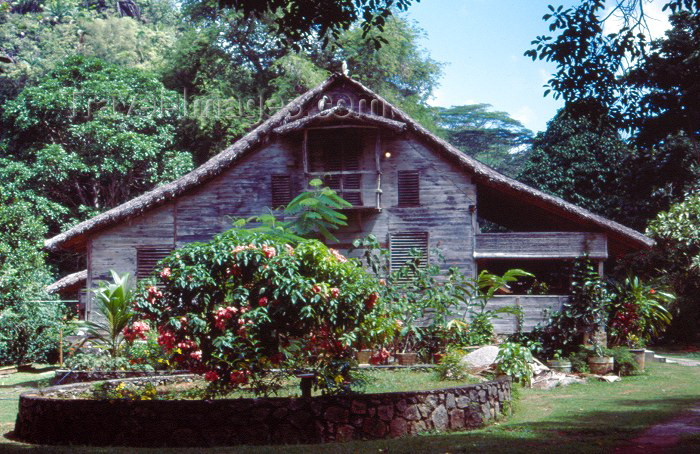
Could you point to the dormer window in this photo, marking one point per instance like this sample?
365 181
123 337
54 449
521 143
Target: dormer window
345 159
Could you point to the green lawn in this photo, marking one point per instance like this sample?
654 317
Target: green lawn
595 417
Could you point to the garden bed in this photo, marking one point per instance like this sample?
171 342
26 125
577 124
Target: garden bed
56 416
66 377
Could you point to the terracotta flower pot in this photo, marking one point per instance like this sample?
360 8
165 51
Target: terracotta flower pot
407 359
363 356
601 365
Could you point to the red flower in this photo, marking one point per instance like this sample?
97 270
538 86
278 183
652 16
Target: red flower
335 292
652 291
316 288
269 251
371 301
262 302
165 273
239 377
211 376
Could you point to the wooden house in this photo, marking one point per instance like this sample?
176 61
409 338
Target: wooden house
408 187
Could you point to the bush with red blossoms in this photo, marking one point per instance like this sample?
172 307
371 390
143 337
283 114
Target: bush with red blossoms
246 306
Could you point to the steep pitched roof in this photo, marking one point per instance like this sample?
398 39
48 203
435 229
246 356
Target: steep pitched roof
281 121
69 282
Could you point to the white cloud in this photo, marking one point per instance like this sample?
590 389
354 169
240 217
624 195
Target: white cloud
526 116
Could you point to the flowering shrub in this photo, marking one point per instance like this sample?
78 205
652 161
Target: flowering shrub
245 304
638 313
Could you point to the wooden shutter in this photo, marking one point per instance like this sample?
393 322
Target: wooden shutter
281 190
148 257
409 188
402 243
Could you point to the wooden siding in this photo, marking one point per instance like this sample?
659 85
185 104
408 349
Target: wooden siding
542 245
536 309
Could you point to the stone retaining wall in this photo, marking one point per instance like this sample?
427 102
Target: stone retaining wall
47 420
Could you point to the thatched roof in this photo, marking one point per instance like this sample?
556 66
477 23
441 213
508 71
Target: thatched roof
73 281
280 122
340 113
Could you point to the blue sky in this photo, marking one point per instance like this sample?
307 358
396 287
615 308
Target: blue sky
482 43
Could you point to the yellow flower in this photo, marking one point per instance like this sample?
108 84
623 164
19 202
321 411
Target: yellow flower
339 379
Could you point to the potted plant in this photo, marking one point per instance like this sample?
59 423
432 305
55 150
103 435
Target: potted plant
598 362
559 363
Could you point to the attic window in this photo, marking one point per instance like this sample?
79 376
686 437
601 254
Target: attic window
281 190
409 188
148 257
336 156
401 246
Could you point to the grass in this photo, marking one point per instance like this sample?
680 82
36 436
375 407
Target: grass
595 417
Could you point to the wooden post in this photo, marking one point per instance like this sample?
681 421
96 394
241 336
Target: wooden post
305 152
601 268
378 165
60 347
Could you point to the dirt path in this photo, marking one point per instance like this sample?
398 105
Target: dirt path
661 437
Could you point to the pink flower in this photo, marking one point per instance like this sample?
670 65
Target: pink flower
341 258
196 355
316 288
262 302
166 273
382 282
211 376
269 251
166 339
335 292
136 329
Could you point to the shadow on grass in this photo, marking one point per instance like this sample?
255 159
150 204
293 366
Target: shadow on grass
565 430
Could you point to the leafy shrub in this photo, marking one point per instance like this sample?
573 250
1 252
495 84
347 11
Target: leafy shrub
29 332
579 360
97 362
114 302
514 360
451 366
246 303
435 308
625 364
638 313
584 313
124 391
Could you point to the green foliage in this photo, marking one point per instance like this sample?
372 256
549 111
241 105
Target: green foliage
296 20
114 303
492 137
23 271
584 313
638 313
514 360
92 127
582 159
246 303
625 364
433 307
29 332
675 261
123 391
451 366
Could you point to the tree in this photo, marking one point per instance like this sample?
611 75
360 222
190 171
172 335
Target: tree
91 135
581 158
299 19
29 319
492 137
675 262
